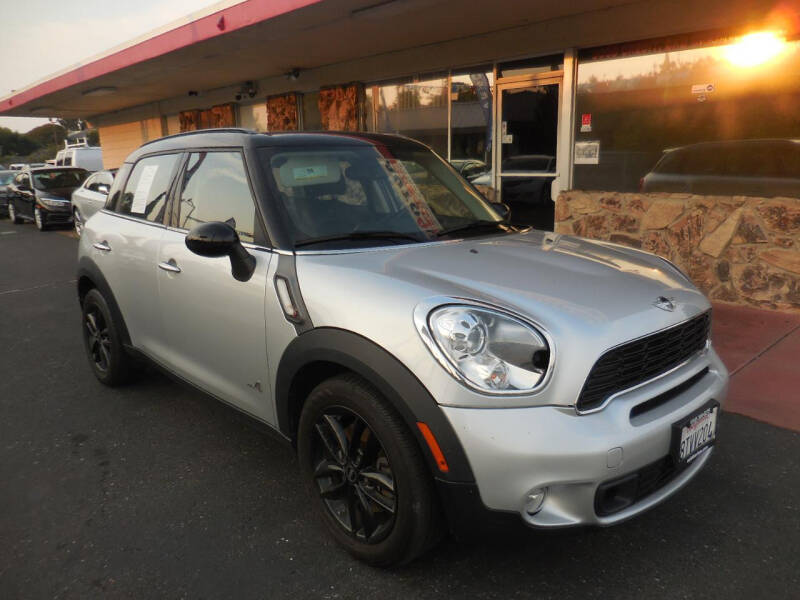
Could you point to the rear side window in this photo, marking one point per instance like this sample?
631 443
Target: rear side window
215 188
146 191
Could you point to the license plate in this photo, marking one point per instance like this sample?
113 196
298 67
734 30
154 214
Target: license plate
695 433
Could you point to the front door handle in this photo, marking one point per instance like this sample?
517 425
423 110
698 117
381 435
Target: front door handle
170 266
102 246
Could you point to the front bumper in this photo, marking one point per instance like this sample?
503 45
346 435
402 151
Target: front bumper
62 214
514 451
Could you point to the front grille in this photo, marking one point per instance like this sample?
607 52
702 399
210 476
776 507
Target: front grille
618 494
640 360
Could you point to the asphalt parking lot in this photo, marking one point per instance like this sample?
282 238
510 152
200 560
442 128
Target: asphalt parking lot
156 491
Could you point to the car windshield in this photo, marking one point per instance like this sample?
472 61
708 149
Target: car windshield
6 177
355 196
53 179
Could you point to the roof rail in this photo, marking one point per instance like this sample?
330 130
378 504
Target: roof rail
198 131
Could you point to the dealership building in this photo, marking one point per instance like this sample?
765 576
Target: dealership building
670 126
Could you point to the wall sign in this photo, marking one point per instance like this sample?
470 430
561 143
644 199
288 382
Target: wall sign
587 153
586 122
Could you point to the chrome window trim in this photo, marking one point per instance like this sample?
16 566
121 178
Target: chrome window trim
422 314
689 360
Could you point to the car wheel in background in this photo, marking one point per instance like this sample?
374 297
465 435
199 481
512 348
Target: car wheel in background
77 222
39 219
366 473
12 214
103 342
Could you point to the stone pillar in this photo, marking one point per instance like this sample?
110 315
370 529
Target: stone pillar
338 107
282 113
735 248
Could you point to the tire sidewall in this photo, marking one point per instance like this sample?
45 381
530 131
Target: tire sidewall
368 405
117 369
41 222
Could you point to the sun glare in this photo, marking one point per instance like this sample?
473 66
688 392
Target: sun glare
755 49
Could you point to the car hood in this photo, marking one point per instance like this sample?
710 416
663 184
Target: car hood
57 193
587 295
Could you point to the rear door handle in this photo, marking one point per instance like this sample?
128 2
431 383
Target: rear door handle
170 266
102 246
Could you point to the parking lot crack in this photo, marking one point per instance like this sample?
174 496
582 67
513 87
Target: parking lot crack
37 287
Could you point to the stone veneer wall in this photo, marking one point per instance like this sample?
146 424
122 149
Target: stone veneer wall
735 248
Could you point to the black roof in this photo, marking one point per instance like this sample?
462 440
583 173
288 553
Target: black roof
234 137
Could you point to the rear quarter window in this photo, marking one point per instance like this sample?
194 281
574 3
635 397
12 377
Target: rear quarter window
147 188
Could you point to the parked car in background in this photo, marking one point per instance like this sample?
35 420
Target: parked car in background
90 197
85 157
768 167
428 360
42 195
5 180
17 166
469 168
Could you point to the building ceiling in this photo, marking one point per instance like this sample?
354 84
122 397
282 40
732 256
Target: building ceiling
256 40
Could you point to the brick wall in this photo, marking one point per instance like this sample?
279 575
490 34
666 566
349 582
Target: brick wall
735 248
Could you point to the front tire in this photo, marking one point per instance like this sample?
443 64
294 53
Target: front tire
366 473
77 222
12 214
103 342
40 219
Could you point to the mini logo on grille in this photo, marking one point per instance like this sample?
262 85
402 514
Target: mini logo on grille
665 303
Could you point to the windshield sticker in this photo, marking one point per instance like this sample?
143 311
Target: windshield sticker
310 172
407 189
139 204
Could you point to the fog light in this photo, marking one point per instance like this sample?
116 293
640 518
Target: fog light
534 500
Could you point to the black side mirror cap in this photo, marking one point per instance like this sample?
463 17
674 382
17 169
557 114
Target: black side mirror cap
217 239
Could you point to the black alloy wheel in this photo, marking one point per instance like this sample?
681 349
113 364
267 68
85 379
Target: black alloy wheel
98 339
102 339
366 473
353 475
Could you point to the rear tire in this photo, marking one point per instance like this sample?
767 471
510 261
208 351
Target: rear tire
102 340
366 473
12 214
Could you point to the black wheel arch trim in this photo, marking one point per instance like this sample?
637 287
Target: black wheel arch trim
390 376
88 269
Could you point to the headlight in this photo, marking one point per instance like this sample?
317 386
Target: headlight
489 350
52 202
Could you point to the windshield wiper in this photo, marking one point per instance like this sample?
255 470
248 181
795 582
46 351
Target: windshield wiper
475 225
359 235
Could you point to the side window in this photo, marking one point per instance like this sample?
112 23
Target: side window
92 183
115 193
145 194
215 188
67 159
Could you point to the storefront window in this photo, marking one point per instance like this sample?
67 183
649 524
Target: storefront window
719 119
417 109
471 126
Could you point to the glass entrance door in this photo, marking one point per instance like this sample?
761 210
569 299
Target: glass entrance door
527 137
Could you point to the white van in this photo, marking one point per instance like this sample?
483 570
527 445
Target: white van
86 157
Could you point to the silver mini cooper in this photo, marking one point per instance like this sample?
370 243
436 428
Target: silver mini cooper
436 368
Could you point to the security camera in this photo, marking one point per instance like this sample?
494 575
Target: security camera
193 93
239 97
293 75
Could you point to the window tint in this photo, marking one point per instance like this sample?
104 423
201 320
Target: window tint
215 188
146 191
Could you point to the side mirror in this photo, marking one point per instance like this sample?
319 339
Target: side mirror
502 209
103 189
217 239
